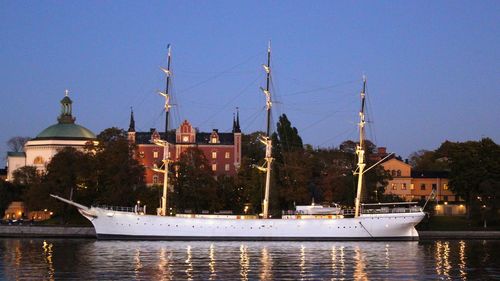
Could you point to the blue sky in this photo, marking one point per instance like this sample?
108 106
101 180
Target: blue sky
433 67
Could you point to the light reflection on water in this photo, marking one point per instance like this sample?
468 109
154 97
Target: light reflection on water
56 259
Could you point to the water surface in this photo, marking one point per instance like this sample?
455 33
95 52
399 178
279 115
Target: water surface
80 259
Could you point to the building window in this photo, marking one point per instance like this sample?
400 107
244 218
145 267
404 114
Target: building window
155 154
445 198
398 173
412 186
214 167
422 197
403 186
155 179
141 154
445 186
185 139
422 186
38 160
227 155
214 139
214 154
394 186
434 186
393 173
226 167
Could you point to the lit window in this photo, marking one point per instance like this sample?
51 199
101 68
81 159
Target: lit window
227 167
141 154
214 154
422 186
38 160
228 155
155 179
403 186
394 186
445 186
214 139
155 154
214 167
185 139
412 186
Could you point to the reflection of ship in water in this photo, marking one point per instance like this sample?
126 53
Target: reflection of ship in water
56 259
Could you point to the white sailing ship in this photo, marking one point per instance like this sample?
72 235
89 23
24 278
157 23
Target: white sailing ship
307 223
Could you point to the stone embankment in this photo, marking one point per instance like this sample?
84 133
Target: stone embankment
89 232
46 231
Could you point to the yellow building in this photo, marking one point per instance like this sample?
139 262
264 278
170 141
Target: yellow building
419 185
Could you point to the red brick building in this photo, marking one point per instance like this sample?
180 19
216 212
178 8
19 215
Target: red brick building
222 150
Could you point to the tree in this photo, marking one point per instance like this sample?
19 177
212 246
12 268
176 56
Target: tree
9 192
26 175
194 185
68 175
16 144
474 175
119 176
288 135
425 160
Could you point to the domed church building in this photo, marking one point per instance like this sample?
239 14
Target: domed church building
39 151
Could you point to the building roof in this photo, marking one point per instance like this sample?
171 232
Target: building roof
430 174
66 129
16 154
70 131
201 138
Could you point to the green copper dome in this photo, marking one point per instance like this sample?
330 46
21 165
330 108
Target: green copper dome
66 128
66 131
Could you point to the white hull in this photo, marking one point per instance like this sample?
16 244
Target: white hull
128 225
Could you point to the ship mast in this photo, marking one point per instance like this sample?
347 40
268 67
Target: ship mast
360 151
164 143
267 138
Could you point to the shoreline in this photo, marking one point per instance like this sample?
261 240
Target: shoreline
29 231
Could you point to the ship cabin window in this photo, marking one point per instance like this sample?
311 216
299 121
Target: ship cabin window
422 186
214 154
403 186
226 167
227 155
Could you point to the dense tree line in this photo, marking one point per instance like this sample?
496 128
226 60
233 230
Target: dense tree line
107 173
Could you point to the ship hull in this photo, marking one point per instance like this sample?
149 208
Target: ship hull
131 226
